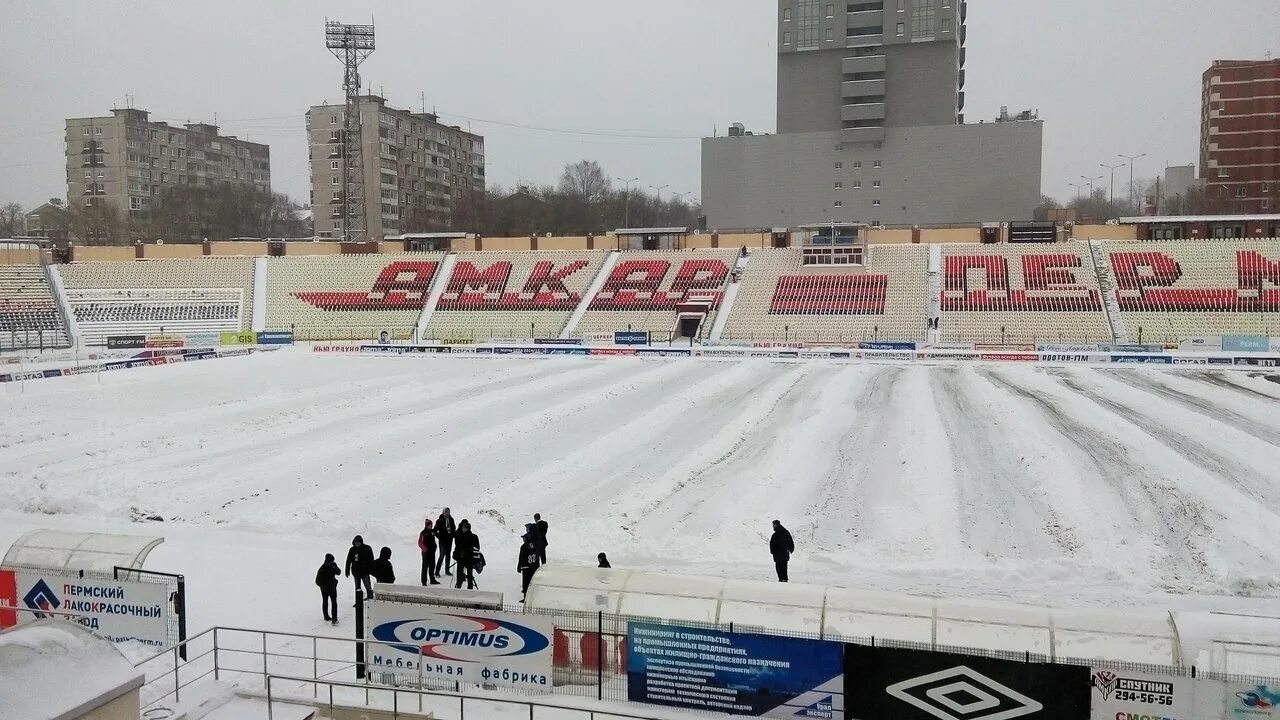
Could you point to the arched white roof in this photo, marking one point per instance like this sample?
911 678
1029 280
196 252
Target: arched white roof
56 669
60 550
832 612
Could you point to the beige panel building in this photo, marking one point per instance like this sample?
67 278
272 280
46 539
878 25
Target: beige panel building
413 163
127 161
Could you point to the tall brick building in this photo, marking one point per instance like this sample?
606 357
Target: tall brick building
1240 134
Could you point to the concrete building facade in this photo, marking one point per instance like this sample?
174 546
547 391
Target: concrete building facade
871 128
126 161
1240 134
415 167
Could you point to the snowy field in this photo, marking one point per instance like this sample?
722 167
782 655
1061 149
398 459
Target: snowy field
1057 486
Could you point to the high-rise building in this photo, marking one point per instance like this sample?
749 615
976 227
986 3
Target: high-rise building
416 167
1240 134
871 127
126 161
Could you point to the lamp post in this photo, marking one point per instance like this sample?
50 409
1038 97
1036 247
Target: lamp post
659 190
1091 181
1078 187
1132 201
626 213
1112 168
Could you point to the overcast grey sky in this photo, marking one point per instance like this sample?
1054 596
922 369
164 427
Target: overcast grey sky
631 84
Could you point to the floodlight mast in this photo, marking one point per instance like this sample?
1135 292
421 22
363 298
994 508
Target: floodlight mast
351 45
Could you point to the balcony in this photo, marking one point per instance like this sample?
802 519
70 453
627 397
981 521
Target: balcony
851 89
864 64
869 39
867 18
862 111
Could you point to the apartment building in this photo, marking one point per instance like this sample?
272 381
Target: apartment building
1240 134
416 168
126 161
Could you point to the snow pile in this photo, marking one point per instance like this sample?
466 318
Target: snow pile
51 667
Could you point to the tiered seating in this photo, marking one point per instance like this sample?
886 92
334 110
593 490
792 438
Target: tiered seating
1021 294
103 313
29 316
1172 290
512 294
341 297
781 299
175 294
645 287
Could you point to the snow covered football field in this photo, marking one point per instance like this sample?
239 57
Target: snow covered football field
1055 486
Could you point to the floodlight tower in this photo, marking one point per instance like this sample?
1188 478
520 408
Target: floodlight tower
351 44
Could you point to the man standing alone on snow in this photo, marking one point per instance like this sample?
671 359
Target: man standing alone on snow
445 530
527 564
360 564
427 546
540 537
781 546
327 581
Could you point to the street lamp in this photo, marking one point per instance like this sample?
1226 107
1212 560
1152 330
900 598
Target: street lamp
661 214
1132 201
1078 187
1091 181
1112 168
626 213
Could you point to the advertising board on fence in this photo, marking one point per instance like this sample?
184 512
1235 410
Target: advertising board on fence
735 673
1125 694
631 338
922 685
481 647
887 346
118 610
164 341
275 337
1246 343
126 342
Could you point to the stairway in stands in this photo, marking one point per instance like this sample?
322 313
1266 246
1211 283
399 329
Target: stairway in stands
1107 284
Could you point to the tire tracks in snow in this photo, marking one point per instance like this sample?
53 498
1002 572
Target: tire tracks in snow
1217 380
1151 385
1113 463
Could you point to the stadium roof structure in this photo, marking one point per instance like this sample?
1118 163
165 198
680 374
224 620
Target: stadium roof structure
59 550
857 615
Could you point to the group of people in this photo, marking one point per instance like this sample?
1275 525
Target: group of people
445 544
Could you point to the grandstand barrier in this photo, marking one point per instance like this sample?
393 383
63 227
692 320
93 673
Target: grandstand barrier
148 358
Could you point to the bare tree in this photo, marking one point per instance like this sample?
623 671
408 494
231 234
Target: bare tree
11 220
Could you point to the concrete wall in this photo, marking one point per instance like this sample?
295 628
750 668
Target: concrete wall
921 83
934 175
25 255
157 252
939 236
809 91
1105 232
312 248
560 243
87 253
889 237
124 707
250 249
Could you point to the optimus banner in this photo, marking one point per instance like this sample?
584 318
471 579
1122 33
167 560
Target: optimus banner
481 647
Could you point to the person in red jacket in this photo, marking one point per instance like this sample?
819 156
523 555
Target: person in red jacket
427 546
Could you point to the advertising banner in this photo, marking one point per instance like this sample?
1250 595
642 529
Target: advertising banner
613 351
335 348
734 673
201 339
631 338
1250 701
1068 349
567 351
922 685
1071 357
884 355
126 342
665 352
1010 356
1004 348
1204 342
1246 343
557 341
947 355
886 346
1125 694
1143 359
118 610
481 647
230 339
1221 360
275 337
1258 361
1131 348
164 341
962 347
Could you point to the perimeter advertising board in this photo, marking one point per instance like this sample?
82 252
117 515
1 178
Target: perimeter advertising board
922 685
118 610
1125 694
735 673
481 647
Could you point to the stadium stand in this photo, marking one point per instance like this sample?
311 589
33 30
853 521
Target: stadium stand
141 296
341 297
512 294
645 287
29 316
1021 294
103 313
782 299
1172 290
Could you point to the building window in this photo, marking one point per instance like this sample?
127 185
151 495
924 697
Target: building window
333 119
831 35
839 166
102 173
1266 187
86 131
839 185
786 38
839 204
876 203
857 164
902 29
831 11
857 184
333 165
923 16
807 24
946 25
1242 191
786 14
336 195
876 164
875 183
97 131
1222 172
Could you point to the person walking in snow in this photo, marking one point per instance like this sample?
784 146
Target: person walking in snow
381 569
427 546
327 581
527 564
781 546
466 545
360 564
604 561
445 530
540 538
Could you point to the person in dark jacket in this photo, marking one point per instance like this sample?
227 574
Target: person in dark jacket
604 561
540 538
445 530
360 564
381 569
527 564
327 581
465 546
427 546
781 546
